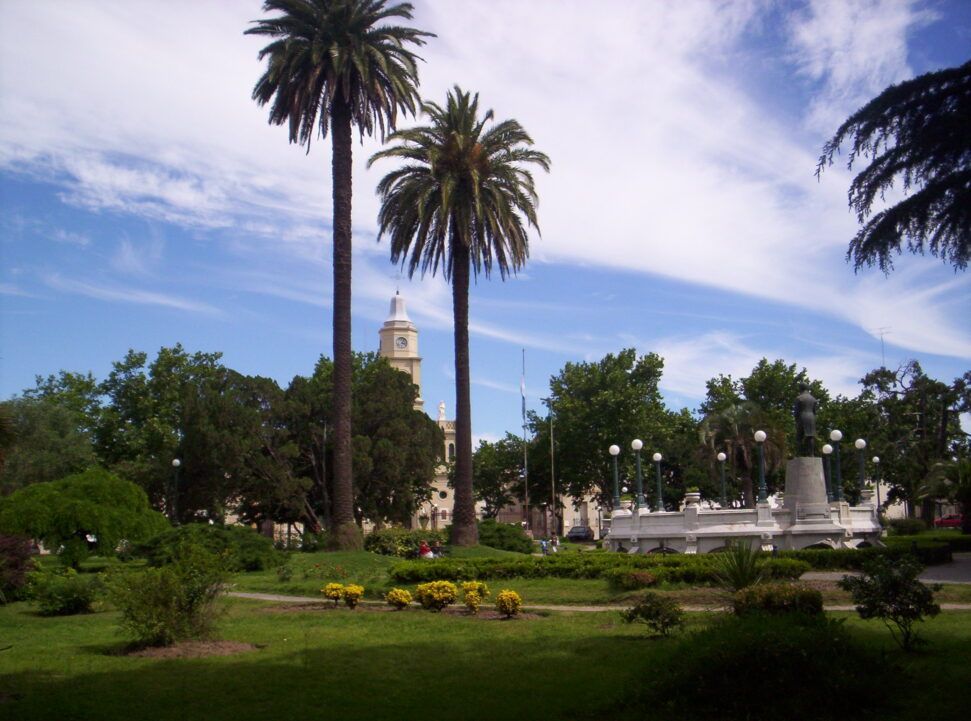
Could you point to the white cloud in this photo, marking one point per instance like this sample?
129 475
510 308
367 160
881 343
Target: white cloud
128 295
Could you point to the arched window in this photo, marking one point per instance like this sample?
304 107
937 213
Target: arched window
451 451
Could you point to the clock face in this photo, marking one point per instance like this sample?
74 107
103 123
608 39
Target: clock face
400 342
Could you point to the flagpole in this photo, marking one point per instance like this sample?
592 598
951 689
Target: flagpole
522 392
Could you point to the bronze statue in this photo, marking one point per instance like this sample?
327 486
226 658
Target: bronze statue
805 414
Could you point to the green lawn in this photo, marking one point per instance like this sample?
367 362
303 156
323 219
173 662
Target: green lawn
387 665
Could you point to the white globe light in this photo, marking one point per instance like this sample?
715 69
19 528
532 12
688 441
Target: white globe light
876 459
624 489
614 450
176 463
721 457
656 457
836 436
759 436
637 444
827 449
860 444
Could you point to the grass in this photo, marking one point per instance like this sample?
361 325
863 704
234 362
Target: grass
407 665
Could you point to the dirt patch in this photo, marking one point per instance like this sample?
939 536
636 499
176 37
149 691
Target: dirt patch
194 649
379 608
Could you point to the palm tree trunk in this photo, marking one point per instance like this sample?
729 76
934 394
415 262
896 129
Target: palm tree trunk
464 530
346 533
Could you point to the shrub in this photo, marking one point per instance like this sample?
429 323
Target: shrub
659 613
508 603
64 592
312 542
352 595
243 548
807 666
284 573
333 591
738 566
631 580
472 601
15 564
778 598
401 542
892 593
160 606
398 597
478 587
436 595
906 526
505 536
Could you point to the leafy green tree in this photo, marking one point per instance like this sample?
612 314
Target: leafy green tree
462 201
331 65
48 443
90 510
597 404
142 425
497 471
397 449
915 134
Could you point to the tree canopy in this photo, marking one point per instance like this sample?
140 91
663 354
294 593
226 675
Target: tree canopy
916 134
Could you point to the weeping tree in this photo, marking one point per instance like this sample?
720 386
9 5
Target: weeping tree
334 64
460 202
916 134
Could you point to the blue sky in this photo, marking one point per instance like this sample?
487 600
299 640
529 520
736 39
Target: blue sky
146 201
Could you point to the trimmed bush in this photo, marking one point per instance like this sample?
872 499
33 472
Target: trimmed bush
474 593
505 536
659 613
64 592
630 580
508 603
778 598
436 595
15 563
398 598
243 548
160 606
906 526
765 668
352 595
401 542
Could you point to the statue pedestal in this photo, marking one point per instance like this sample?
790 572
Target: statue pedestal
805 493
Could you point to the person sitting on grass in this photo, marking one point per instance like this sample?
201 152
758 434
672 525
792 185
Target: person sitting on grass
437 550
424 551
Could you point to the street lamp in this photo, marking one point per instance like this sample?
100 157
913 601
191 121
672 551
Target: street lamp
175 492
637 444
763 491
836 436
600 526
721 459
830 496
876 472
860 446
614 451
660 495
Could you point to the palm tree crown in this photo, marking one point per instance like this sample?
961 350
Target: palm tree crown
460 185
462 199
327 49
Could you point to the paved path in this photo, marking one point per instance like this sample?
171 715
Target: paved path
958 571
535 607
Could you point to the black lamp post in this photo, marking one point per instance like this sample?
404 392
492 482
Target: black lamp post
176 463
830 495
637 444
860 446
763 491
615 451
876 481
660 493
836 436
721 460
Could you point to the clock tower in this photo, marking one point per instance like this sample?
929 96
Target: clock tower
399 344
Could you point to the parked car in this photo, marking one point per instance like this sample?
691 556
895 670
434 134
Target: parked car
953 521
580 533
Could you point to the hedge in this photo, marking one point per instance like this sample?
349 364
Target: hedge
401 542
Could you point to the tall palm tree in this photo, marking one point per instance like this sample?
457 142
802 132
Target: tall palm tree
332 63
462 201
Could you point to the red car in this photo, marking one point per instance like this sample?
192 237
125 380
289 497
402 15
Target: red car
953 521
